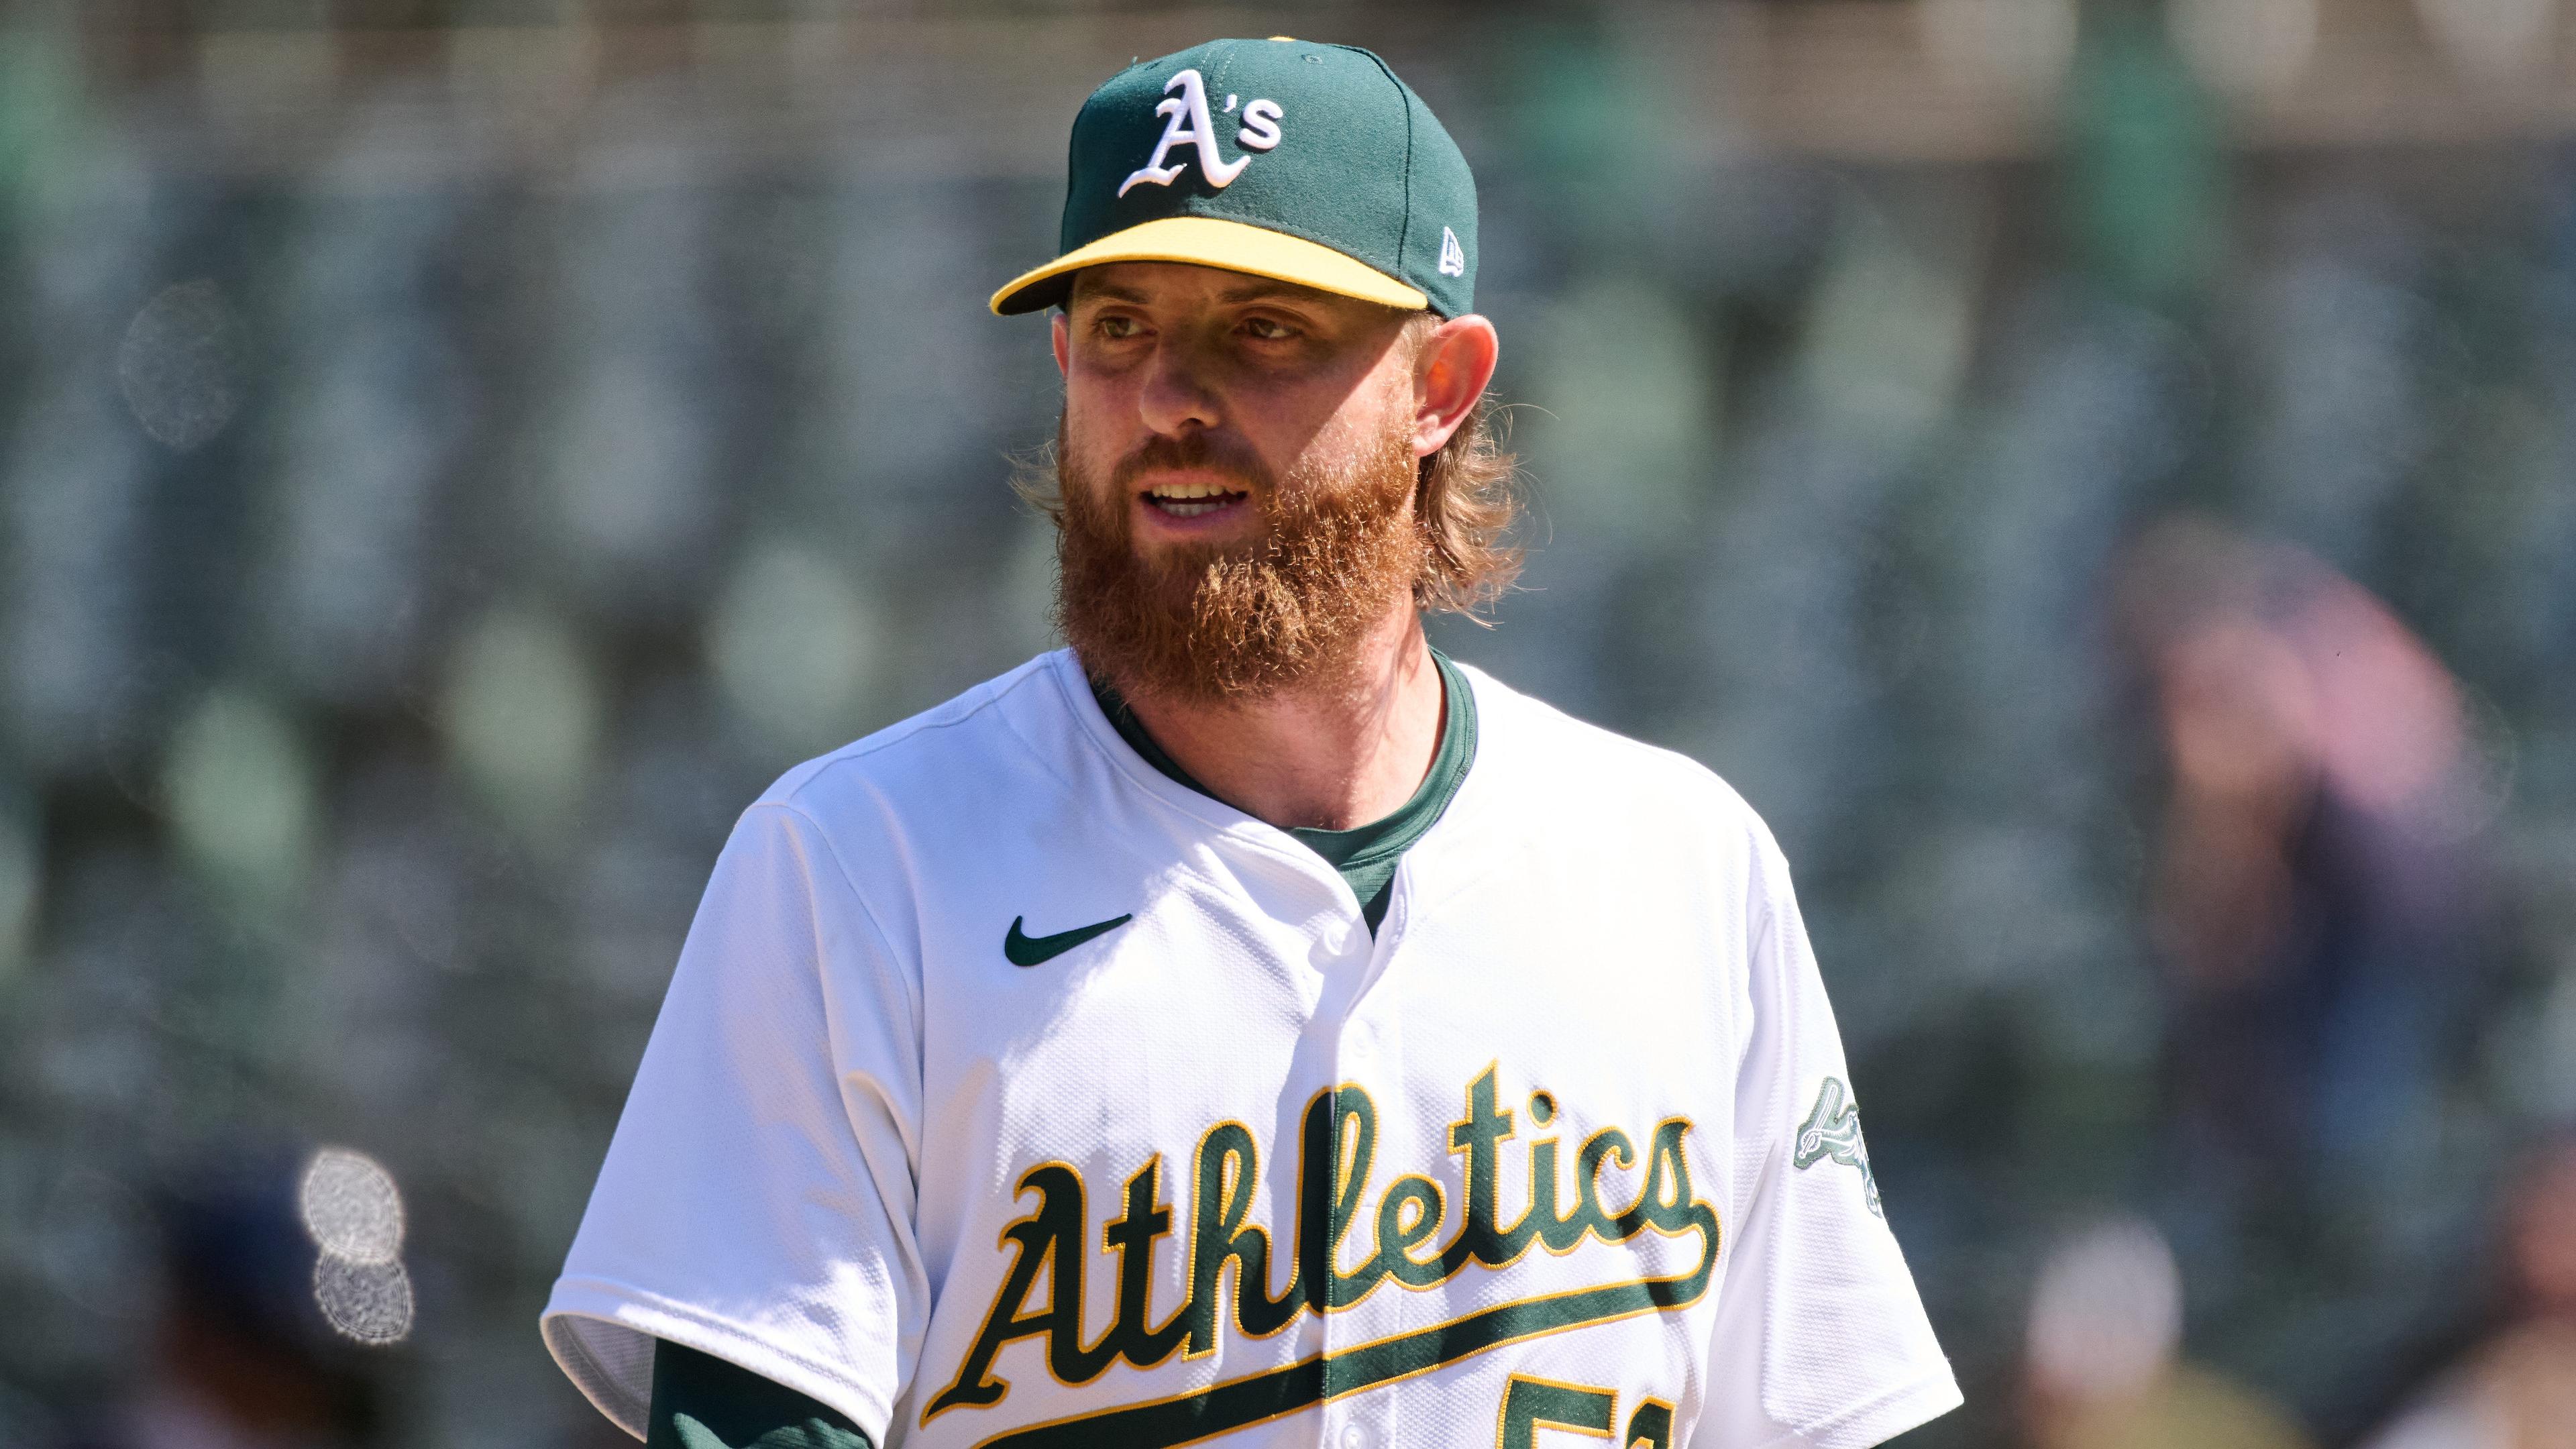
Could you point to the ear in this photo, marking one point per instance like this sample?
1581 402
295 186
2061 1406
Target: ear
1059 329
1455 362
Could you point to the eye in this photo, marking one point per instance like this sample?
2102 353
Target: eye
1268 329
1116 326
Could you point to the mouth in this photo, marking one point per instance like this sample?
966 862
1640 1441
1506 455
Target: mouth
1178 499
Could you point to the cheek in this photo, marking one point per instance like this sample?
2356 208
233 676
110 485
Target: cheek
1091 442
1368 415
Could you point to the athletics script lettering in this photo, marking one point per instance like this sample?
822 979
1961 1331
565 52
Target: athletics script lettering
1337 1146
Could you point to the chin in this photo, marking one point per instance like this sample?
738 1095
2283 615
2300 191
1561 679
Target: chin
1165 548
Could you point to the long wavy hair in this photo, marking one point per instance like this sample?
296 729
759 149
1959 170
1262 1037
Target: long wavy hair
1467 502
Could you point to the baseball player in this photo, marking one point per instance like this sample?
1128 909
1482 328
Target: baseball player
1248 1026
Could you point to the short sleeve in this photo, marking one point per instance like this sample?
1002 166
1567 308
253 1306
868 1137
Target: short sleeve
757 1199
1820 1338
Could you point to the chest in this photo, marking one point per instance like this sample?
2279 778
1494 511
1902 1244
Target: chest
1234 1158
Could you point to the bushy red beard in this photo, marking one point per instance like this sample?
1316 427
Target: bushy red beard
1339 547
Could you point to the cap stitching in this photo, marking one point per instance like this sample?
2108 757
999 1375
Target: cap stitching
1404 235
1073 176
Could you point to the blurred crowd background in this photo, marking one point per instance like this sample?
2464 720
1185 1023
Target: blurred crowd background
2100 477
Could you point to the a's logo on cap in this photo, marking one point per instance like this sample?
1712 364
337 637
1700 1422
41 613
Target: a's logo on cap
1453 257
1186 119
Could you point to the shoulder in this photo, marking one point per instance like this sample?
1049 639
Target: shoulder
1006 734
1567 767
929 798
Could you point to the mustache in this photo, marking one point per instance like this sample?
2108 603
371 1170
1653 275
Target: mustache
1201 451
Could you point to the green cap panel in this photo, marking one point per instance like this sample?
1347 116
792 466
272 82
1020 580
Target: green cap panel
1317 141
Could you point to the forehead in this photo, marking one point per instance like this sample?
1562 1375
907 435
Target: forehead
1188 284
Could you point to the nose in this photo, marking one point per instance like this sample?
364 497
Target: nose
1176 397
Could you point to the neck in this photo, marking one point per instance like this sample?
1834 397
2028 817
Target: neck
1330 755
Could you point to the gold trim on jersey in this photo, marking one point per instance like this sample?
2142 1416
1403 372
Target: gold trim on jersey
1337 1145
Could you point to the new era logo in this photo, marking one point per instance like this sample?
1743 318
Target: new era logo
1453 257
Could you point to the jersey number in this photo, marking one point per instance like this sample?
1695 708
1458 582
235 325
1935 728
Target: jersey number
1530 1405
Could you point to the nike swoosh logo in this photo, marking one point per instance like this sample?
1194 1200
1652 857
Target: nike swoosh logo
1024 950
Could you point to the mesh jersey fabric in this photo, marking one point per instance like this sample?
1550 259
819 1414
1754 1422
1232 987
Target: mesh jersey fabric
1563 1096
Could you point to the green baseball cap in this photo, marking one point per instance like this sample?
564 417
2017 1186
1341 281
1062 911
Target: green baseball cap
1282 158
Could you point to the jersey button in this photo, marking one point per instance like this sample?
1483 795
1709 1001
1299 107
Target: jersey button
1356 1435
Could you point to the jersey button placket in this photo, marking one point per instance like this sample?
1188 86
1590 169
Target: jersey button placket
1360 1421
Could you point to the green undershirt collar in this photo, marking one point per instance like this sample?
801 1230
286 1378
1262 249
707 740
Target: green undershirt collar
1366 855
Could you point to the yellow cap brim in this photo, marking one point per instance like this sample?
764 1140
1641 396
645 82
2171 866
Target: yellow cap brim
1209 241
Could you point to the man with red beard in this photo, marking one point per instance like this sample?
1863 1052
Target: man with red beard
954 1127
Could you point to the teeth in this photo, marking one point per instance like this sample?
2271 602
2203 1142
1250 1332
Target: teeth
1191 490
1179 509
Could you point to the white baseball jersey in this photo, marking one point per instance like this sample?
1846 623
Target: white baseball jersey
1011 1094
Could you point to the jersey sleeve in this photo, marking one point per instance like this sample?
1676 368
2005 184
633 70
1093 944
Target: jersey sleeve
1820 1339
757 1199
707 1403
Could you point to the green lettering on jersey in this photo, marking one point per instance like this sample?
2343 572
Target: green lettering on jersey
1337 1146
